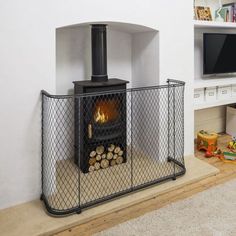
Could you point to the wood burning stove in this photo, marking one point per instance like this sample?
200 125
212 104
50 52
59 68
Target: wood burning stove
100 119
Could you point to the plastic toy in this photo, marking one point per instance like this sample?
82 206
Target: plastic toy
207 142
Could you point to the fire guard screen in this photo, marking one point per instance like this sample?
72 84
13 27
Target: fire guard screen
98 146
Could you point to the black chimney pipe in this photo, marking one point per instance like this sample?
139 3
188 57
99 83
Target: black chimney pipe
99 53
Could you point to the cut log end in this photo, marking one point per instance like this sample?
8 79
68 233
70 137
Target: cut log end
120 153
91 168
100 150
92 161
112 162
117 150
111 148
97 166
119 160
98 157
109 155
92 154
104 163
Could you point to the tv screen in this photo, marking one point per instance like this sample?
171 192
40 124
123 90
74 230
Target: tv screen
219 53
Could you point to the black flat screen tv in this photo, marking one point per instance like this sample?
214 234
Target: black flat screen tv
219 53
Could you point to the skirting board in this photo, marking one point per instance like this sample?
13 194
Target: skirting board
30 218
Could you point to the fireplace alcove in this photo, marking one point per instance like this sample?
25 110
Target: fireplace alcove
101 143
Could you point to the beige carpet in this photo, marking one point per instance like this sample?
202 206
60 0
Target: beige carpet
209 213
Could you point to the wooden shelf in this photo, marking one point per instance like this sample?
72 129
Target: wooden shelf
214 24
210 82
214 104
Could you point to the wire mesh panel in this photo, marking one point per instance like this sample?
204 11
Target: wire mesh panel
149 135
99 146
60 177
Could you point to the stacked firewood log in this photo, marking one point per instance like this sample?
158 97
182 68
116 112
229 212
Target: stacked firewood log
102 158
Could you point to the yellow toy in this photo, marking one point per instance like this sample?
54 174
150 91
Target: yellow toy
207 141
232 145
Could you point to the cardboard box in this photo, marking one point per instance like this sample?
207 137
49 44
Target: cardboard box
224 92
210 94
233 90
231 120
199 96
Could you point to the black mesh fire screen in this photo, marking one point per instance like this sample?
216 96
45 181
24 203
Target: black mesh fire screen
99 146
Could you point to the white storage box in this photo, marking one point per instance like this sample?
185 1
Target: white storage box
233 90
199 96
210 94
224 92
231 120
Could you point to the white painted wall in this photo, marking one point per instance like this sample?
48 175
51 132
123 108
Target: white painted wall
73 56
28 58
132 55
145 59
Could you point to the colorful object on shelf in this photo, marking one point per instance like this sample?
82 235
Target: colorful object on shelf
222 14
207 142
203 13
231 11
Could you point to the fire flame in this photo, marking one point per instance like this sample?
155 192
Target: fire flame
100 117
106 111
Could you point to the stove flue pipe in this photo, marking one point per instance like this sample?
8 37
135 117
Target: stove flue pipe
99 53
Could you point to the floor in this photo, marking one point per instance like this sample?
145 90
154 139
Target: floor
207 213
227 172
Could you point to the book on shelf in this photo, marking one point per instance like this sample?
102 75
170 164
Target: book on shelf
231 8
224 13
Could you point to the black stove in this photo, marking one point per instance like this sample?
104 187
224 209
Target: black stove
100 113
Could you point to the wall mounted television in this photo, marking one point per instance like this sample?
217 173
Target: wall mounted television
219 53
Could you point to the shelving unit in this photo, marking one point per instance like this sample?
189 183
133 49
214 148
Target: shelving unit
204 26
214 24
214 82
214 104
210 82
211 93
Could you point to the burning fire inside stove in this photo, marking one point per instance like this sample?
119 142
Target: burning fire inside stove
106 111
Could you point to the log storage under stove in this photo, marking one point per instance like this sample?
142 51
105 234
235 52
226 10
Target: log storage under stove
102 116
102 158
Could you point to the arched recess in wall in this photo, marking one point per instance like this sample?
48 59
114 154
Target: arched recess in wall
132 54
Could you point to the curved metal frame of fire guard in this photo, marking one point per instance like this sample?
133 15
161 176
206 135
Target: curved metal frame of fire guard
170 88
